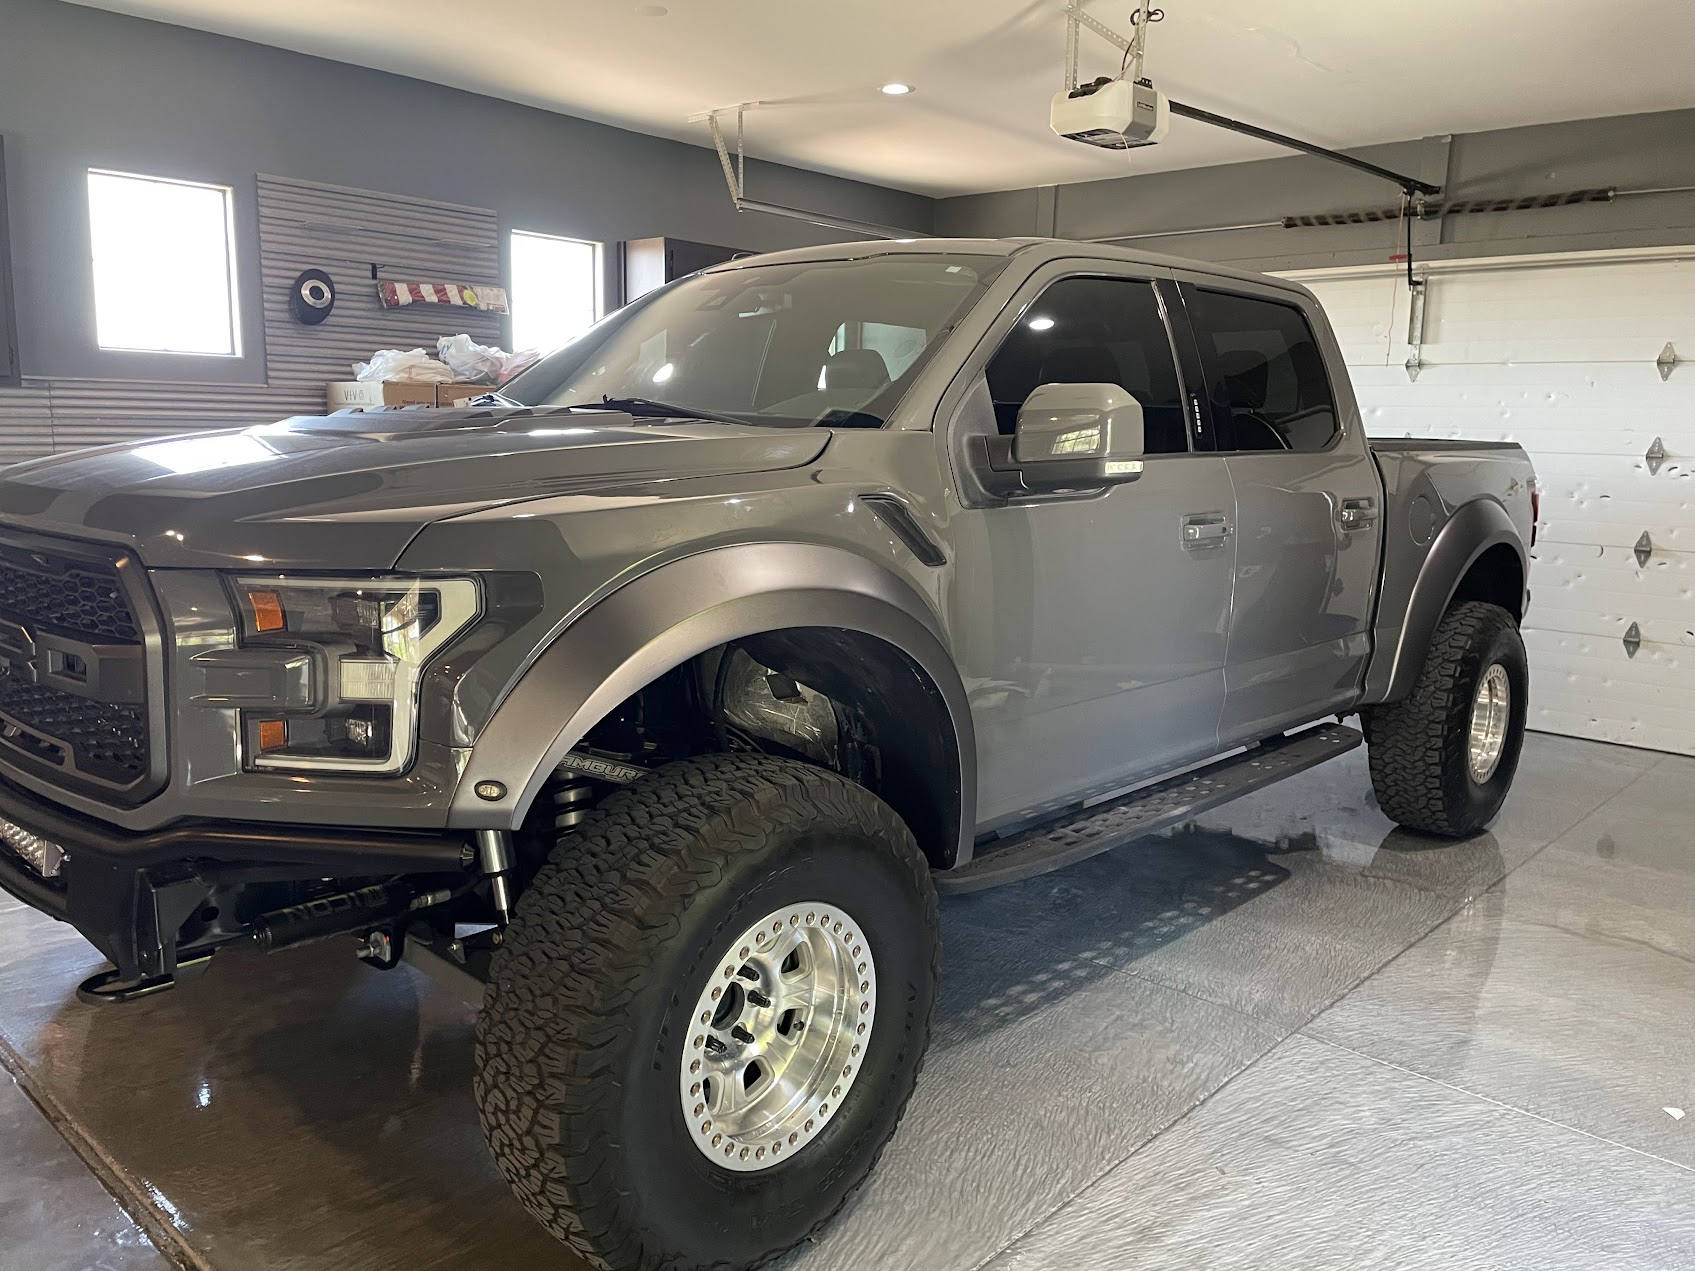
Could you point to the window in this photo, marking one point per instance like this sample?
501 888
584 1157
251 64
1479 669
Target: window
555 289
898 346
832 342
164 265
1094 331
1269 387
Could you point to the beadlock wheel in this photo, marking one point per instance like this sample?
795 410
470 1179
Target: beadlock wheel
777 1035
637 942
1443 757
1491 708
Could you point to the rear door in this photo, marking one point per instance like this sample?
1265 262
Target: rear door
1308 505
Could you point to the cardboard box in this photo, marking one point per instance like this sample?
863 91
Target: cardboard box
406 393
367 394
454 394
354 394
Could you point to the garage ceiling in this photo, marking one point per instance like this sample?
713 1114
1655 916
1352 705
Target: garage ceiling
1343 74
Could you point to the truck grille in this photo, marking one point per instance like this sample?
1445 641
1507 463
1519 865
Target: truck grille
79 600
74 668
106 741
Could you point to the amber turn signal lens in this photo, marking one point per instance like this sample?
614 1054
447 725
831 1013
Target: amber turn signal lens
267 611
273 734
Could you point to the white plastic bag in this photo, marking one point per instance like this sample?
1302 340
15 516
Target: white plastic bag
468 359
472 361
413 366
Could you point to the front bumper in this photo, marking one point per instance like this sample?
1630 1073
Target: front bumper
129 893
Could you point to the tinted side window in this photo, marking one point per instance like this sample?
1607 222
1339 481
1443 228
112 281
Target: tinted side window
1094 331
1268 382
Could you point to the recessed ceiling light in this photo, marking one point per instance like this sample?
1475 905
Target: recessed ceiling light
1041 324
897 90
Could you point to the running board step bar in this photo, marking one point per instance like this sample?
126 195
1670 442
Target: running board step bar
1091 830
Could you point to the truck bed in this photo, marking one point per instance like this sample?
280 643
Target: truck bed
1427 481
1409 445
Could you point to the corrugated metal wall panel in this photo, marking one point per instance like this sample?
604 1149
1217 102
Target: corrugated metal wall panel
302 225
26 423
344 232
1560 358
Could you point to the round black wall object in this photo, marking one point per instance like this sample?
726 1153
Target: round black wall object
312 298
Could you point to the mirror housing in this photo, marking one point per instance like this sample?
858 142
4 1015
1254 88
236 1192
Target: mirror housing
1076 436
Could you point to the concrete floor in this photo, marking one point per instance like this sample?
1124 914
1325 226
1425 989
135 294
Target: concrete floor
1283 1037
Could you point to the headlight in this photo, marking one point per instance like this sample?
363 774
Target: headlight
363 644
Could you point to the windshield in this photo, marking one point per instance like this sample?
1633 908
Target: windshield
819 342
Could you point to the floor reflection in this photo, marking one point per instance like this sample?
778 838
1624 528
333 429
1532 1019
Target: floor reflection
303 1111
1084 920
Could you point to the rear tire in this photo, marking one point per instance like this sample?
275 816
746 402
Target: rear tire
1443 758
593 1015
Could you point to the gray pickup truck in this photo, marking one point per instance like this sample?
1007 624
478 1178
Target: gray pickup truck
652 700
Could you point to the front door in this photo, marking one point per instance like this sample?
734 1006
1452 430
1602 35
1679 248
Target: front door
1307 500
1091 627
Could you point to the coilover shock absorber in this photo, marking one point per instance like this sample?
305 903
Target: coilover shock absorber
573 797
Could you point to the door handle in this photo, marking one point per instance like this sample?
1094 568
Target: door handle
1356 514
1206 529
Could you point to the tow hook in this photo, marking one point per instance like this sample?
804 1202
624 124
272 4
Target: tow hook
107 986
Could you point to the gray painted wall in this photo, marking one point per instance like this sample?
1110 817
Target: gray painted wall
1630 152
83 88
301 225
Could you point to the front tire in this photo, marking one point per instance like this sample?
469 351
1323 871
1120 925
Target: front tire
1443 758
637 936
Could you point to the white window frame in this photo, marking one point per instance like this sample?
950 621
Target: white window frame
597 274
232 271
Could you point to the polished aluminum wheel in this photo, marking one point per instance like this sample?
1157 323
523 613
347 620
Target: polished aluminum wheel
1491 711
776 1037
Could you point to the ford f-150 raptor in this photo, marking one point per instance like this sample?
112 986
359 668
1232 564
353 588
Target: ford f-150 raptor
654 698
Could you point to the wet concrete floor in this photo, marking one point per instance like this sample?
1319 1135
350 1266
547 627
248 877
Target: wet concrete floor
1284 1036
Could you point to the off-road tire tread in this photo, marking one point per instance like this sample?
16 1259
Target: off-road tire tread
1417 746
604 903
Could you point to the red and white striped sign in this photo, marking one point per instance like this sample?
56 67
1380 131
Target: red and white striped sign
395 294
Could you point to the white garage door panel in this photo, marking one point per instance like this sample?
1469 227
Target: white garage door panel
1363 312
1647 701
1619 534
1596 313
1609 522
1592 408
1561 360
1574 590
1604 724
1599 498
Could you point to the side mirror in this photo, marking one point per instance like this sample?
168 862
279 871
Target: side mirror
1072 436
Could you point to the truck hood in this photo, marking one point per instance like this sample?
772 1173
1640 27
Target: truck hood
348 492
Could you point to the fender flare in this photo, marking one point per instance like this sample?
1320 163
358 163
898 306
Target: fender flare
661 619
1472 530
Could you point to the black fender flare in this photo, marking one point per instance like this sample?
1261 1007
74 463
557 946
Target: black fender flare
1472 530
664 617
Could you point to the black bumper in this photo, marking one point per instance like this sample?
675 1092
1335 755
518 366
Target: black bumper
129 893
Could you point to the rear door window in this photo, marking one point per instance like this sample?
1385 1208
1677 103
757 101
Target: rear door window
1265 373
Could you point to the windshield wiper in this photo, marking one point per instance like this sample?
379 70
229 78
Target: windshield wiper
498 399
647 406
